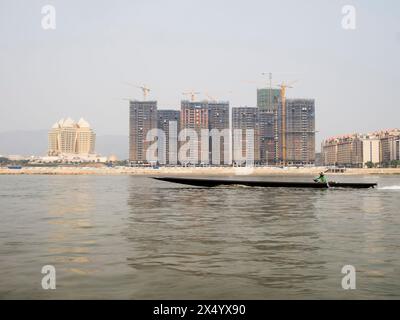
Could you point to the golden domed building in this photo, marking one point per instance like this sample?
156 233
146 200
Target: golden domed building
69 137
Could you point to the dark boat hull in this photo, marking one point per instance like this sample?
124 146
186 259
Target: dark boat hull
266 184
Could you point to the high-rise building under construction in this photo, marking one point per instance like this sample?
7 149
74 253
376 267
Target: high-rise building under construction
267 129
194 116
299 132
213 116
142 118
169 122
268 98
288 140
246 119
218 124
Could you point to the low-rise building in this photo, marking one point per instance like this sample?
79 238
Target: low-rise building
349 151
329 152
379 148
343 151
389 146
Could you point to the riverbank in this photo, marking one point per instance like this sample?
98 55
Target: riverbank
180 171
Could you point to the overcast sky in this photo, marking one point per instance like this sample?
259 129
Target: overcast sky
79 69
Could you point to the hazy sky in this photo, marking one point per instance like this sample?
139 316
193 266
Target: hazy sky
212 46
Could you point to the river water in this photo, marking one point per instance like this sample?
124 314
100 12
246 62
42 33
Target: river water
132 237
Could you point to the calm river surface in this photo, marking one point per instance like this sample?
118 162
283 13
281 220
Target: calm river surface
132 237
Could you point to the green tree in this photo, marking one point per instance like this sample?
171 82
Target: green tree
394 163
369 164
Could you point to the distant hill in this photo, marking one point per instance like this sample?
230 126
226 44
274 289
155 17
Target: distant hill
29 143
113 144
23 142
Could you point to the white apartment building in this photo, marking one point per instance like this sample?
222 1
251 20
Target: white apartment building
371 150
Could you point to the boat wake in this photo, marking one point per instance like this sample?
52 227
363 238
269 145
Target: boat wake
390 188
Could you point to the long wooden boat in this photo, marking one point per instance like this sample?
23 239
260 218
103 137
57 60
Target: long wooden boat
266 184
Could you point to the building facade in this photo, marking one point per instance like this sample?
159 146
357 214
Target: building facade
371 146
343 151
349 152
390 146
218 124
394 148
299 131
67 137
379 148
169 122
194 116
329 152
268 99
286 141
246 120
267 139
142 119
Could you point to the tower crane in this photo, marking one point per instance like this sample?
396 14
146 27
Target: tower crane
213 97
210 97
283 87
146 90
192 94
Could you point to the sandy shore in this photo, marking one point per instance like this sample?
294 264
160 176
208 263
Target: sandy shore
178 171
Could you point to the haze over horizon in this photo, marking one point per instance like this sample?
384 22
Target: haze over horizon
218 47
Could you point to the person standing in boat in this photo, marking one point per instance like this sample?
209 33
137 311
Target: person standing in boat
321 178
